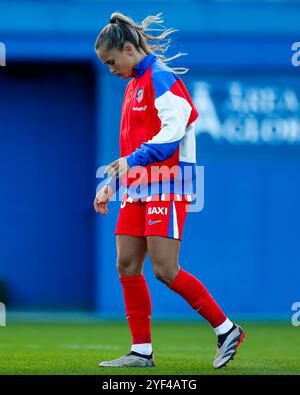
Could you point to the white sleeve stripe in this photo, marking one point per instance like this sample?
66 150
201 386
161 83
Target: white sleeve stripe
174 113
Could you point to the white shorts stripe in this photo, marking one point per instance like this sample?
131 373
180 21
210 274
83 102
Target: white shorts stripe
175 223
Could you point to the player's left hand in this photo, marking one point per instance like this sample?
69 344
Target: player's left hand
102 198
117 168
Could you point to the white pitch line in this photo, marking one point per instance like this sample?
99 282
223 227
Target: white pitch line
92 346
102 347
111 347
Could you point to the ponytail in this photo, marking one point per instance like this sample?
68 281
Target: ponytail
121 28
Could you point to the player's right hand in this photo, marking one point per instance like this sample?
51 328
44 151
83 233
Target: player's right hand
102 198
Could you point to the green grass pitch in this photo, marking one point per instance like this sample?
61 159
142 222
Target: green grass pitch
179 348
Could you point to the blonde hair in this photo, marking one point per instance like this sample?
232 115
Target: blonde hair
121 28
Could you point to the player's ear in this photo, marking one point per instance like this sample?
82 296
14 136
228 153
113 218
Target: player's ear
128 49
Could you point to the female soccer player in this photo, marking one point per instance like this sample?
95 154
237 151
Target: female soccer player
157 143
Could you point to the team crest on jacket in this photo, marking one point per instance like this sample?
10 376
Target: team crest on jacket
140 94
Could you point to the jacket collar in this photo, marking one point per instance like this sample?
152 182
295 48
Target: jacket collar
141 68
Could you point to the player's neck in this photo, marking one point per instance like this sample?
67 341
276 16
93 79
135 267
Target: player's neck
139 58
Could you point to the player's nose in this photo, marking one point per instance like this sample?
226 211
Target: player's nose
112 70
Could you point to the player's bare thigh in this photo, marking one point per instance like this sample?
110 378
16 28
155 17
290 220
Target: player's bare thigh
131 254
164 254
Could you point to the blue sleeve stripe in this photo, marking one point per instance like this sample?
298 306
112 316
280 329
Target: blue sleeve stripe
163 79
170 230
150 153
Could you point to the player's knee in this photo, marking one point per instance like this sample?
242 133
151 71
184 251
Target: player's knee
127 267
123 265
164 275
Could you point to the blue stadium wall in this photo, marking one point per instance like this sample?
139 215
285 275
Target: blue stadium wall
60 113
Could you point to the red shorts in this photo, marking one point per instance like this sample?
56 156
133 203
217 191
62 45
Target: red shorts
157 218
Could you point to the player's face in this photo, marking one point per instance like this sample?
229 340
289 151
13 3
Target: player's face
120 63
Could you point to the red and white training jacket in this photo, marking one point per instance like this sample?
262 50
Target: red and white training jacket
158 135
